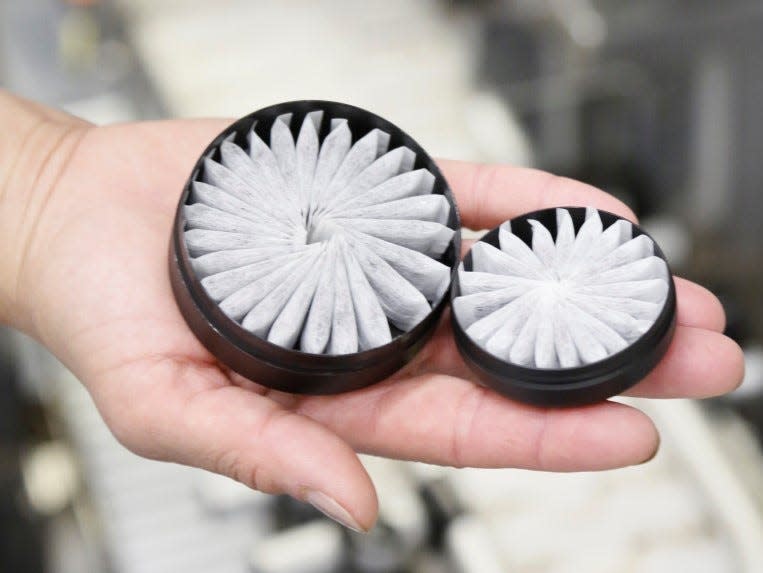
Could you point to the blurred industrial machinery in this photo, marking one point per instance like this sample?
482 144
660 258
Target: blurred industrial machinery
655 101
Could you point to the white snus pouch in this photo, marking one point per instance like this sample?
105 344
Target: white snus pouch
563 306
314 246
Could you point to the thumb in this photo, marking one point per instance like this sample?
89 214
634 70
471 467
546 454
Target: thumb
211 424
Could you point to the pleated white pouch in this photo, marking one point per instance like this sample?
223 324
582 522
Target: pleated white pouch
319 228
551 296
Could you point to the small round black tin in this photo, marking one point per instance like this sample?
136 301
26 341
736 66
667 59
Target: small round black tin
291 369
582 383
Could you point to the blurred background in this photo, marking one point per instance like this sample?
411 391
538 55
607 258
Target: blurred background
658 102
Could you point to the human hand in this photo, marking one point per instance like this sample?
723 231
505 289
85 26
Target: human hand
84 232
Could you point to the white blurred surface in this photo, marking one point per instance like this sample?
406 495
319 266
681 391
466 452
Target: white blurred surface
407 61
412 63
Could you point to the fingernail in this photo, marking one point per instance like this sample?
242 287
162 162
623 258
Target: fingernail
654 453
331 508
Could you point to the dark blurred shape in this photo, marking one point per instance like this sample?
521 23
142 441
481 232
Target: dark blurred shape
21 533
656 102
442 507
288 512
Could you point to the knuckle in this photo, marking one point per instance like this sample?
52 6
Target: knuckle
248 465
484 178
468 410
539 444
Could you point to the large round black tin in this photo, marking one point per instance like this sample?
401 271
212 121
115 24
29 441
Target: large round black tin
266 363
568 386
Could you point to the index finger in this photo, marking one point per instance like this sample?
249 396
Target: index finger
487 195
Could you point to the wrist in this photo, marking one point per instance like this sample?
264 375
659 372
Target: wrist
35 143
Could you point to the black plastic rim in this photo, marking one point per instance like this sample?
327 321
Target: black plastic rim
568 386
266 363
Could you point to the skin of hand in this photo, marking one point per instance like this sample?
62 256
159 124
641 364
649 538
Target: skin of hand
85 220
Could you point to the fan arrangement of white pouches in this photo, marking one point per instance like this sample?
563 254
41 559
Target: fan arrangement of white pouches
566 301
315 243
326 245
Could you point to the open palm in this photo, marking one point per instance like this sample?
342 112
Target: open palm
95 282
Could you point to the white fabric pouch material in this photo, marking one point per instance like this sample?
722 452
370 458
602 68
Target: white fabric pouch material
327 246
563 301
